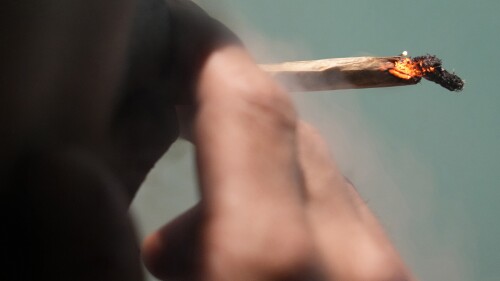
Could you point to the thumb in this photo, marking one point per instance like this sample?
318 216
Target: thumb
174 251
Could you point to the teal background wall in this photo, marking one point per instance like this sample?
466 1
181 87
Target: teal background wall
426 160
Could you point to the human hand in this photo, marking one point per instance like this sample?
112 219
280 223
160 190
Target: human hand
274 205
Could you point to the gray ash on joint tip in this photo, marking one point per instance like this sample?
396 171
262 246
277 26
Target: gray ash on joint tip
440 76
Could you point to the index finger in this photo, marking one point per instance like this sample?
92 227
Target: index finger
251 184
244 129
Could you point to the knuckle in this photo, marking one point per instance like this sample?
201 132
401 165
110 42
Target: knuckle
311 139
272 104
283 251
377 265
381 271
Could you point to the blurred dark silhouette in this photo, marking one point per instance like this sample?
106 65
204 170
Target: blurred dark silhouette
87 106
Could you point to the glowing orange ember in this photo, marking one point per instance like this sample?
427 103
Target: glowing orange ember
428 67
407 68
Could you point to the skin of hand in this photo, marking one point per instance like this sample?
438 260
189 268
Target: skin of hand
274 205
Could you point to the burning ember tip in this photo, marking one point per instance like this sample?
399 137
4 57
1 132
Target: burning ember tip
428 67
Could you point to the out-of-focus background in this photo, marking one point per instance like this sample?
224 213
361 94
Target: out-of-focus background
426 160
